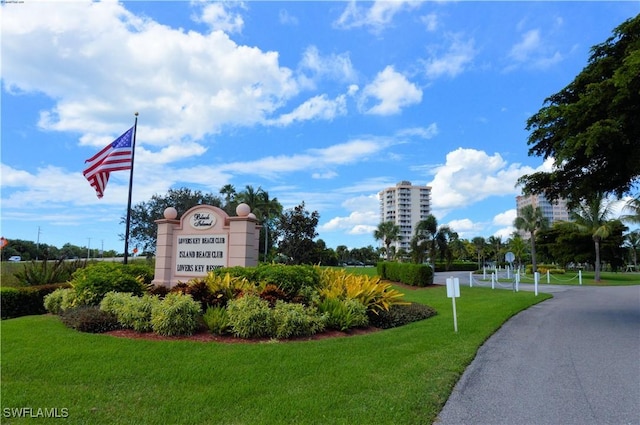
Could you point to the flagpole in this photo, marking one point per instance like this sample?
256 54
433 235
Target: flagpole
133 153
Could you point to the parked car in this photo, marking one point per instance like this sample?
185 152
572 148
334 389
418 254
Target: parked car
15 258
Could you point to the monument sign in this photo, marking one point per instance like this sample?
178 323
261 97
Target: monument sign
205 238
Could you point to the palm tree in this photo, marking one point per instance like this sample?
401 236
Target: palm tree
268 209
518 247
479 244
495 242
251 197
446 238
424 240
387 232
632 241
633 206
531 220
592 216
229 193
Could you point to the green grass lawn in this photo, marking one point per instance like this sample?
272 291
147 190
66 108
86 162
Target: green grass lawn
396 376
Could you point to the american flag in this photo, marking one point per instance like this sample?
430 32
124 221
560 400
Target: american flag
116 156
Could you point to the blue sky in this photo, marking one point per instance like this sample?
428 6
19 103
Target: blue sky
321 102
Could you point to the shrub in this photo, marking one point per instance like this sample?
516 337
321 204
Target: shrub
272 294
9 302
227 286
16 302
89 319
176 314
132 312
59 300
369 291
47 272
399 315
458 266
94 281
290 279
409 274
343 314
199 291
159 290
250 317
291 319
217 320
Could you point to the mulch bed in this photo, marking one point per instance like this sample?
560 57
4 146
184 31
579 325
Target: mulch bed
205 336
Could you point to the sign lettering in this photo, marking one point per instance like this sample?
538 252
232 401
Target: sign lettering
197 255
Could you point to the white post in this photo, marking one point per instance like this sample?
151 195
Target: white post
455 315
453 291
470 279
493 281
508 272
548 277
536 278
580 276
517 282
484 272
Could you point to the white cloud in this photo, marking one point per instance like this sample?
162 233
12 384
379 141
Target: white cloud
390 92
363 218
533 51
458 56
336 67
470 175
353 151
218 17
505 218
286 18
376 17
103 60
430 21
318 107
423 132
465 228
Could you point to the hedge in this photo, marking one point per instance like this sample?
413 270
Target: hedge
457 266
25 301
407 273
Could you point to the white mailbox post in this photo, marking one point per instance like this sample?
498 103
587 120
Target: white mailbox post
453 292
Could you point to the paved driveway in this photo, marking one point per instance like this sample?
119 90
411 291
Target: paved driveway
574 359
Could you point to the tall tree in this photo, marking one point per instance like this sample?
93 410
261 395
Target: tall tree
531 220
591 128
446 240
388 232
632 241
632 207
296 231
269 210
343 252
592 217
229 193
143 231
423 243
518 246
479 243
495 242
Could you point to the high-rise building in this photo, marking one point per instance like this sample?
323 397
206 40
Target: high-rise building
405 205
552 211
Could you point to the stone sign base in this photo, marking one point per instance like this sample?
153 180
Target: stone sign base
203 239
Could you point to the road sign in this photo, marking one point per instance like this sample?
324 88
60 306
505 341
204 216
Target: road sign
509 256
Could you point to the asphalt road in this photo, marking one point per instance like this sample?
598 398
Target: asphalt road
574 359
